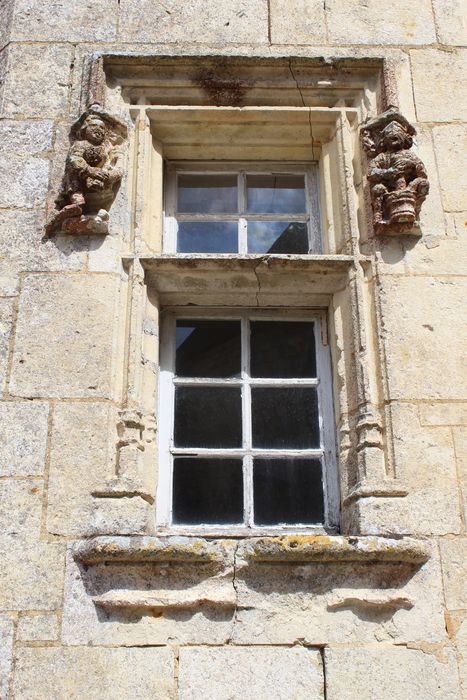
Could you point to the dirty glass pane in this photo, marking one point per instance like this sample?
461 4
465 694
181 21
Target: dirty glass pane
207 237
277 237
287 491
208 348
207 490
285 417
208 416
282 349
276 194
207 194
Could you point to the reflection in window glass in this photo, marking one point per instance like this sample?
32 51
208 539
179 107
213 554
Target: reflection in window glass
208 348
207 237
276 194
207 194
207 491
287 491
277 237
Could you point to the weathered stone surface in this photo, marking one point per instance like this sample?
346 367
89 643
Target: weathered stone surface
37 628
32 571
65 21
42 92
6 13
213 23
64 338
443 413
6 653
451 151
442 256
425 461
387 673
97 674
6 325
31 250
454 560
379 22
23 434
82 455
23 138
451 21
300 21
432 221
250 674
23 182
418 327
447 99
460 446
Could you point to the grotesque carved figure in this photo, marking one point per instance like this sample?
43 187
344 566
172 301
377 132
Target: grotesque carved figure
93 174
397 176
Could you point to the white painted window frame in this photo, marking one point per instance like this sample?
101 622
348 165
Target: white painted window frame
326 451
312 216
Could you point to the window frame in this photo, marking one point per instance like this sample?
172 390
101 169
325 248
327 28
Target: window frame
166 393
309 169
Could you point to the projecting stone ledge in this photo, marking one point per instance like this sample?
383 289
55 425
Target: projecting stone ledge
286 549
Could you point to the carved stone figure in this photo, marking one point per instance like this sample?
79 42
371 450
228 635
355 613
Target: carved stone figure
93 173
398 178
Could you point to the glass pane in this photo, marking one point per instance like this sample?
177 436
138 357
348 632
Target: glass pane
285 417
207 490
207 237
276 194
282 349
208 349
287 491
208 416
277 237
207 194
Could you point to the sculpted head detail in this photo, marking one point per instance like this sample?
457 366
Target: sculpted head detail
395 138
93 130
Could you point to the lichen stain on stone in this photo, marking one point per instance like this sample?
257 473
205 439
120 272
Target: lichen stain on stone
222 89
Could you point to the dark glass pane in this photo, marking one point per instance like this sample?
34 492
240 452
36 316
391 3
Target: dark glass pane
277 237
285 417
282 349
288 491
276 194
208 349
207 194
207 237
207 490
208 416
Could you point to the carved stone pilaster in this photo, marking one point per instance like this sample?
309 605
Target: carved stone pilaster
397 177
93 172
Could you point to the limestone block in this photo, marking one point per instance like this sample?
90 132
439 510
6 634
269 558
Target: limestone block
457 626
37 628
23 138
23 182
42 92
23 436
460 446
451 151
432 221
446 99
6 325
252 673
390 674
379 22
64 337
81 458
111 603
6 12
443 413
438 256
6 653
65 21
454 560
95 674
31 251
418 327
451 21
194 21
298 22
32 571
425 461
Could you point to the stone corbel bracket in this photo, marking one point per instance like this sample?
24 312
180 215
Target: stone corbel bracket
93 173
398 179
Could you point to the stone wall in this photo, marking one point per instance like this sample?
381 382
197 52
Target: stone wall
150 616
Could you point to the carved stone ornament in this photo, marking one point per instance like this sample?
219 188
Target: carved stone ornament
93 173
398 179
